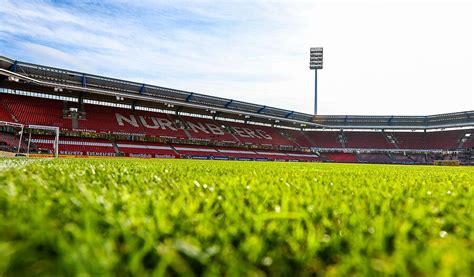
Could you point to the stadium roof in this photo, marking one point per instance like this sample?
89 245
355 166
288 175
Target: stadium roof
33 77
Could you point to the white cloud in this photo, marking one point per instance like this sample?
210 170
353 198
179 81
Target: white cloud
381 57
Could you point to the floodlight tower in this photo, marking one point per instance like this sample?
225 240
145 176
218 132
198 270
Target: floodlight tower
315 63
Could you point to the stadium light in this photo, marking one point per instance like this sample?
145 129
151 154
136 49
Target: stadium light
316 63
13 79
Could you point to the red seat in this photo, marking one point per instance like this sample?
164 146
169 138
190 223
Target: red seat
76 146
197 150
324 139
341 157
373 140
302 156
238 152
375 158
146 149
208 129
259 135
299 138
34 110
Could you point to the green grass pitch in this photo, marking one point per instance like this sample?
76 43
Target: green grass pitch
183 217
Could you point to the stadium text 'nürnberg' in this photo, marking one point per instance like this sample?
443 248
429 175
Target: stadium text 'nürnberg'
151 122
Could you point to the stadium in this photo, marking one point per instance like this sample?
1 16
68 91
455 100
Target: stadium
100 116
107 176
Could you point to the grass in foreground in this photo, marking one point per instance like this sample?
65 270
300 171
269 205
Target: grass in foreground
125 216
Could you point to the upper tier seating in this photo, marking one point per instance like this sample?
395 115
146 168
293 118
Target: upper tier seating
103 119
4 114
324 139
125 121
116 120
160 125
367 140
257 134
33 110
411 140
208 129
446 140
470 142
300 138
430 140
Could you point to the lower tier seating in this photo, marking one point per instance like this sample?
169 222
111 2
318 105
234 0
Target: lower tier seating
197 151
146 149
272 155
341 157
8 142
302 156
238 153
375 158
419 159
76 146
403 159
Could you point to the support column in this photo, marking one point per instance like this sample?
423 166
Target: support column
315 91
29 143
56 144
21 138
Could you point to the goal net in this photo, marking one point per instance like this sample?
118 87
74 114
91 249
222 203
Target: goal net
28 140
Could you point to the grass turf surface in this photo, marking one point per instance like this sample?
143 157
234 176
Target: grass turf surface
167 217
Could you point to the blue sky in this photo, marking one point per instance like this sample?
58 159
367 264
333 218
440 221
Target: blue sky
381 57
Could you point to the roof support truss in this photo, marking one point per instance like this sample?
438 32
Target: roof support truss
84 80
229 103
13 66
289 114
190 97
261 109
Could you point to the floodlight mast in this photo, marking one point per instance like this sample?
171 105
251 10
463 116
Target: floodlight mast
316 63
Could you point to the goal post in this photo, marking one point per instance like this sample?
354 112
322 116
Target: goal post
45 128
16 138
447 162
16 129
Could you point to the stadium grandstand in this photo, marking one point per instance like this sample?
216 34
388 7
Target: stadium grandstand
101 116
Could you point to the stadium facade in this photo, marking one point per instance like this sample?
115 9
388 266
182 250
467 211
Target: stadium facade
101 116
